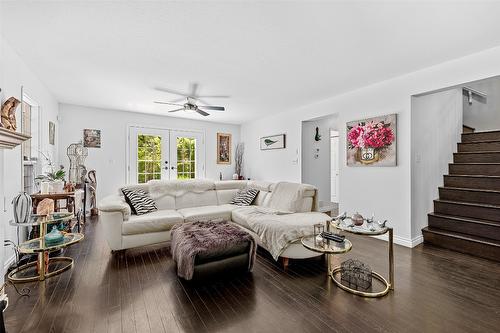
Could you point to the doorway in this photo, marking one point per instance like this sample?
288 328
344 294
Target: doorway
156 153
320 154
334 165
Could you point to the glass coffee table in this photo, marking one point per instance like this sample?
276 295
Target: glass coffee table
45 266
327 247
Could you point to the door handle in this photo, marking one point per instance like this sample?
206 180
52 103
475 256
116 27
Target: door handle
173 168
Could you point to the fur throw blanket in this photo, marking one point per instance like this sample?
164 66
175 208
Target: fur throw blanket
193 238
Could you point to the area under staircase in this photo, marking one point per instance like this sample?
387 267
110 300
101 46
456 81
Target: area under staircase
466 216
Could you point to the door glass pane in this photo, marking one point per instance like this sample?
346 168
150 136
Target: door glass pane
186 161
148 157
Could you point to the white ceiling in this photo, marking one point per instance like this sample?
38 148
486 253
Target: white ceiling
270 57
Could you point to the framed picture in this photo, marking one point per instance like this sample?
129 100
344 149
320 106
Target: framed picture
52 133
223 148
92 138
372 141
273 142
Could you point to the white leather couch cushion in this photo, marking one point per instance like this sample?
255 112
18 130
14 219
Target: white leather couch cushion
115 203
230 184
164 202
225 196
191 199
160 220
207 212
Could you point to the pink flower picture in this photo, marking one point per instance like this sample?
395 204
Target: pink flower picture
372 142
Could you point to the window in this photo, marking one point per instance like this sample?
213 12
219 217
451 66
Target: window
186 158
148 158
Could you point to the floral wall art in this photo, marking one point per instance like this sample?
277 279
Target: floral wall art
372 141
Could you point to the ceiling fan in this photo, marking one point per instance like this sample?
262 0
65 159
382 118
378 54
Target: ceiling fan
191 100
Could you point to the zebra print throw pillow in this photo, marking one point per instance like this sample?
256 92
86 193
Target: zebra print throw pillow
139 201
245 197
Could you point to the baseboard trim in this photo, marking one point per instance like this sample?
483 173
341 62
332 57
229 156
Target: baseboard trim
406 242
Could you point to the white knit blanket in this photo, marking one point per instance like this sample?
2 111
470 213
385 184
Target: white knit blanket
278 231
288 197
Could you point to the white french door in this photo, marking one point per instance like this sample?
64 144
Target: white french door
165 154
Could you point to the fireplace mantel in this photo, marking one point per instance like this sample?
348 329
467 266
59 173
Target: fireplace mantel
10 139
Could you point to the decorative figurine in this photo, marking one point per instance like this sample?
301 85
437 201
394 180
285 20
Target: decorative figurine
8 114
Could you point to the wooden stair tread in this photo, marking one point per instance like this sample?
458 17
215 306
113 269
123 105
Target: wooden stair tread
468 189
464 203
478 152
466 237
475 176
490 131
475 163
478 141
466 219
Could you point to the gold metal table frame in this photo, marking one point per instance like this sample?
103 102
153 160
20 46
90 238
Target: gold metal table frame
42 264
389 285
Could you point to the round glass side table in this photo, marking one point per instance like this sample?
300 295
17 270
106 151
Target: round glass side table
327 247
40 269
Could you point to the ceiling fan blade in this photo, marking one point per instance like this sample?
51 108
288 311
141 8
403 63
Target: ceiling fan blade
176 110
215 108
168 103
170 91
203 113
214 96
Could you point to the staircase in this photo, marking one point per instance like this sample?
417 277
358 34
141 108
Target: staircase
466 216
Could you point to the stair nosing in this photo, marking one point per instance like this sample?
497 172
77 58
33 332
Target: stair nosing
474 163
477 152
473 176
489 131
466 237
479 141
468 203
469 189
466 219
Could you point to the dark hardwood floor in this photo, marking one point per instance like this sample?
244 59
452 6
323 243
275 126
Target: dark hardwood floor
437 290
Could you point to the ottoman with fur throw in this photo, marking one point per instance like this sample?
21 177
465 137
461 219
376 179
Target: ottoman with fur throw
205 248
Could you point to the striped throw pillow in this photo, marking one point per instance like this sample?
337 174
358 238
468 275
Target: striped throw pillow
139 201
244 197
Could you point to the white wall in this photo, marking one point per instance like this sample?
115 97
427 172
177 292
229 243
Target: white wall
15 75
383 191
432 149
483 115
110 160
316 171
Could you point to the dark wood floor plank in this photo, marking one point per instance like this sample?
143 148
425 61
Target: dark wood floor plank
437 290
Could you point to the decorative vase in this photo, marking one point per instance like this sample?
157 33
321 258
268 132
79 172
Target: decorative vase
235 176
357 219
367 155
57 186
22 207
44 187
54 237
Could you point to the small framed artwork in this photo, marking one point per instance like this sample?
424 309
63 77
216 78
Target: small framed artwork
92 138
52 133
372 142
223 148
273 142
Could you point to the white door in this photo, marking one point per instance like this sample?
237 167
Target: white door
187 155
165 154
334 166
149 154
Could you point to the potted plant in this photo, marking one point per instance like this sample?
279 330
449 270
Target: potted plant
370 139
55 180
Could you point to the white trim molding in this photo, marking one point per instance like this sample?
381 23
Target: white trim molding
407 242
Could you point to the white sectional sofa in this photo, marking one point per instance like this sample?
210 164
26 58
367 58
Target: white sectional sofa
194 200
